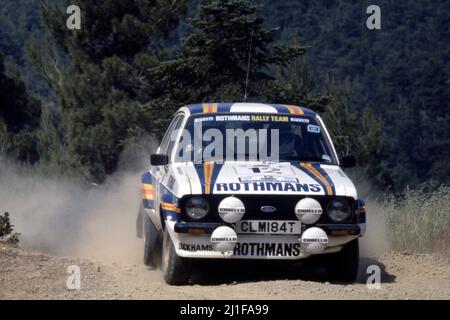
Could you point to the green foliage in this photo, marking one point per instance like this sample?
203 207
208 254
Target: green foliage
19 118
294 84
7 234
212 62
131 65
401 72
358 132
104 90
20 25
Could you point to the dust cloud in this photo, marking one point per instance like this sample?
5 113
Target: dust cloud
376 239
66 217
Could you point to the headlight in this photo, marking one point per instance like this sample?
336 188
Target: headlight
197 208
339 210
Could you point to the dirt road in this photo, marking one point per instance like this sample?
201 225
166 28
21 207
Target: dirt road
26 274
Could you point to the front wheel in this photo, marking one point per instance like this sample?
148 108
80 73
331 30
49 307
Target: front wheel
342 266
176 270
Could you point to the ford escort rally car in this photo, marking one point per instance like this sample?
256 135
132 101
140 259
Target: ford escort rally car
249 181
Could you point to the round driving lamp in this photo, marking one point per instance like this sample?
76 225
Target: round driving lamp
231 209
308 210
339 210
197 208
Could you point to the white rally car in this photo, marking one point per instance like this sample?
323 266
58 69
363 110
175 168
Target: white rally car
249 181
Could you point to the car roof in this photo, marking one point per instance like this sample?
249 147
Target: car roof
202 108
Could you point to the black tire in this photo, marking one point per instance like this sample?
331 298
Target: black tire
176 270
342 266
152 244
140 222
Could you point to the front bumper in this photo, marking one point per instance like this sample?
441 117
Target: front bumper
209 227
193 240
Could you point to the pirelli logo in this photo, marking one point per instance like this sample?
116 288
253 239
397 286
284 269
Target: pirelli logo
313 211
223 239
314 240
231 210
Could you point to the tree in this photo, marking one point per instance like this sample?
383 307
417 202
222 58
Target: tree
7 234
357 132
19 118
20 24
101 89
400 72
213 60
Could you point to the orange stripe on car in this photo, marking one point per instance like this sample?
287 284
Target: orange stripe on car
170 207
317 174
295 110
208 169
147 192
210 107
206 108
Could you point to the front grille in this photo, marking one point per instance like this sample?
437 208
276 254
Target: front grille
285 205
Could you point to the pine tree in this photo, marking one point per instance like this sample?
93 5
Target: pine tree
212 62
100 83
19 118
357 132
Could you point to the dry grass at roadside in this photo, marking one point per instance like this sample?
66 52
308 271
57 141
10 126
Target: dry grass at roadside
419 221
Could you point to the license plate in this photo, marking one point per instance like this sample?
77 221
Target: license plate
268 227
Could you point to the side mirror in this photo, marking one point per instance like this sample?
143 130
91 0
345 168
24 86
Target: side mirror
348 161
159 160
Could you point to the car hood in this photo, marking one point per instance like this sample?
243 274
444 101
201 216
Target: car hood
301 178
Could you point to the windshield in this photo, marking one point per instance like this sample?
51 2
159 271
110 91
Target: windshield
253 137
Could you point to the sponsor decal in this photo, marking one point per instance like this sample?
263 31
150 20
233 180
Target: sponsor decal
301 120
262 169
309 210
326 158
195 247
231 210
204 119
313 128
232 118
315 240
268 187
267 179
224 239
267 249
260 118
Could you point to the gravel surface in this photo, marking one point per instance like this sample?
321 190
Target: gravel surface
26 274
